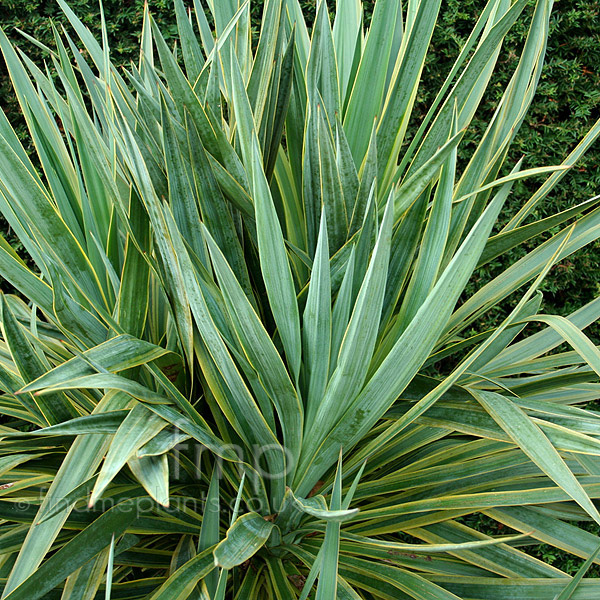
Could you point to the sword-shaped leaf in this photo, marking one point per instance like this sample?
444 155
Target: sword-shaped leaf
244 539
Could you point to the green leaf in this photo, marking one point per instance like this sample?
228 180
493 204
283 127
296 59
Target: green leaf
358 342
244 539
153 473
430 256
138 427
261 352
328 577
322 71
105 422
181 583
506 240
528 436
406 356
410 189
347 32
109 568
85 582
115 355
215 214
83 547
317 507
78 466
570 589
209 531
367 94
316 322
275 268
192 54
54 409
403 88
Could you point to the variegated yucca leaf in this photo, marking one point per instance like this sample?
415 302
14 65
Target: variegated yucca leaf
241 362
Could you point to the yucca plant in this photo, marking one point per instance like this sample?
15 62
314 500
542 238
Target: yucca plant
242 363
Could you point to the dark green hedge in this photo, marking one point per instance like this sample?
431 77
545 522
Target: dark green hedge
566 105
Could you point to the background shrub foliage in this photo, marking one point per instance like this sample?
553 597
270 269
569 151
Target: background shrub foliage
564 110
